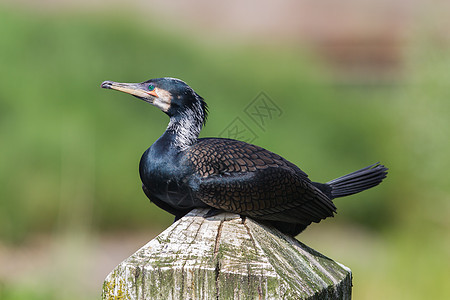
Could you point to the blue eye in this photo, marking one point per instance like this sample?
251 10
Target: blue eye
151 87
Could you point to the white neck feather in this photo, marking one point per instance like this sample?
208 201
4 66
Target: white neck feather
187 127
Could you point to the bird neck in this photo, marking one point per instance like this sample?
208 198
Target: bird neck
185 127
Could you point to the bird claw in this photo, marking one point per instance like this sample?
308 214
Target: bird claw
243 218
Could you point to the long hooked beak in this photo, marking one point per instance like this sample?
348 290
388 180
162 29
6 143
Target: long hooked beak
134 89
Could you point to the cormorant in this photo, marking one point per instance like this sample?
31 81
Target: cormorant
180 172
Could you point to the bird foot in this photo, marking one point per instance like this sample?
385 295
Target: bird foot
213 212
243 218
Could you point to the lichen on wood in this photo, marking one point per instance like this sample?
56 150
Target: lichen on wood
226 257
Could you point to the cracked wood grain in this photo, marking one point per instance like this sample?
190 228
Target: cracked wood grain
226 257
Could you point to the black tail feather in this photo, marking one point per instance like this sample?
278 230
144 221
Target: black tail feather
358 181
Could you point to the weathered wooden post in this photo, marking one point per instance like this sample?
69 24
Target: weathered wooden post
224 257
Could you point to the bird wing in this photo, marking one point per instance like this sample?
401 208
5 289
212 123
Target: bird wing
246 179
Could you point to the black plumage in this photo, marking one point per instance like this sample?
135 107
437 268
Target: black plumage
180 172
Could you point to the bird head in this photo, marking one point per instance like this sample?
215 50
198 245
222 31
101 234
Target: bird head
173 96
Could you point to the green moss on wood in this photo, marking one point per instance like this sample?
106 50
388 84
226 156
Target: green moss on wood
245 261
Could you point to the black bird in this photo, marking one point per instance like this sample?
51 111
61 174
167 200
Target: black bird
180 172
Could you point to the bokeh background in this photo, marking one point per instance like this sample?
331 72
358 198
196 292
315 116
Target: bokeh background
356 81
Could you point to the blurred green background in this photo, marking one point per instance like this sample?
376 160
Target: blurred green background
71 206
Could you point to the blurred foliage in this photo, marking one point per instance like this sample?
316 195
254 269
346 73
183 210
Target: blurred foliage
73 148
70 151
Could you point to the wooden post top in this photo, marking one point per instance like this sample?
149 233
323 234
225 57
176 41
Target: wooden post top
226 257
